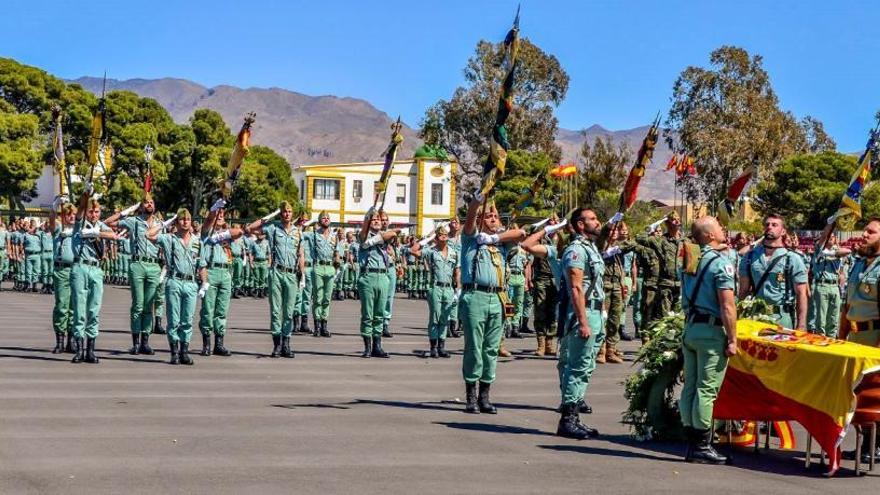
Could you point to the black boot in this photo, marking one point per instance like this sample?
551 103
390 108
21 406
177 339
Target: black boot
90 351
206 344
433 352
368 347
175 353
441 348
377 348
626 337
454 329
483 399
236 293
304 324
386 332
514 332
145 345
324 332
78 350
470 393
286 351
568 424
584 408
135 344
219 349
59 344
184 354
68 348
688 434
524 326
703 453
317 331
276 346
157 326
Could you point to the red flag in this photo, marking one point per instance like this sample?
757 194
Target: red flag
646 152
673 162
691 169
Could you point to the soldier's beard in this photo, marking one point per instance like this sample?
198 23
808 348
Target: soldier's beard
770 236
869 249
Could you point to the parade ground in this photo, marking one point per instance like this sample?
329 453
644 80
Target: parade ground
327 421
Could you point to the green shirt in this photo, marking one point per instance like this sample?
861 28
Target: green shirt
123 246
517 259
32 243
582 255
212 252
90 249
260 250
718 276
237 247
862 290
137 234
441 268
318 247
375 257
284 245
481 265
825 269
46 241
786 271
180 257
62 245
665 250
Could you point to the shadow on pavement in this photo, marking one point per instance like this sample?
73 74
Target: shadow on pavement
37 358
586 449
435 406
316 406
492 428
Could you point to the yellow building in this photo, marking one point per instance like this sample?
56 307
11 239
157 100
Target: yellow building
420 192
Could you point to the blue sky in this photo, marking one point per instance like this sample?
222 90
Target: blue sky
622 56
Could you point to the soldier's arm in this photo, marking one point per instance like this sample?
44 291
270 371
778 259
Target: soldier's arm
532 245
800 291
470 222
578 300
727 305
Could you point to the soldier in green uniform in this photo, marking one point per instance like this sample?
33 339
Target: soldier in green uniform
247 268
393 262
583 270
86 278
445 287
340 248
143 273
517 261
237 248
630 276
373 283
709 339
15 254
354 266
260 257
46 265
613 286
825 300
123 251
62 240
215 258
454 243
4 252
482 300
777 275
409 262
661 251
33 252
181 289
319 244
545 296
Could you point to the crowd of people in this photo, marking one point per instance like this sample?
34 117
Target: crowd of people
566 281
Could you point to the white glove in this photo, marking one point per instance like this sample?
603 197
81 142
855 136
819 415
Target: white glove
553 228
616 218
67 232
373 241
90 232
270 216
204 289
370 213
654 226
219 204
831 219
537 225
169 222
59 200
479 196
128 211
90 188
829 252
221 237
484 238
162 275
611 252
424 242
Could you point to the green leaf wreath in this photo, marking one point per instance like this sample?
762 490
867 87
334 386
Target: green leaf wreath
653 411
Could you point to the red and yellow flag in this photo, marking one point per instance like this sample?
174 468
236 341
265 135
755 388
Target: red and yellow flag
241 149
646 152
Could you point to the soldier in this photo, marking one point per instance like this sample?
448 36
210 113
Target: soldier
123 251
393 263
409 263
319 245
249 289
583 269
215 258
777 275
33 251
825 300
482 301
660 296
46 265
86 277
143 272
62 240
285 275
445 287
709 338
260 259
181 262
4 252
454 243
237 268
374 281
545 296
612 284
863 307
340 248
518 260
630 277
351 278
304 303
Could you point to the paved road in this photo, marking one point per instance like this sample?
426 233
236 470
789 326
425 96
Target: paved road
325 422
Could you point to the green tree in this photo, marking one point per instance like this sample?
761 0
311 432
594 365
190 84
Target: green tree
20 164
603 168
462 125
265 181
727 118
522 169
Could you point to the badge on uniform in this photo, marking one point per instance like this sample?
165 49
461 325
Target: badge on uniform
866 288
780 277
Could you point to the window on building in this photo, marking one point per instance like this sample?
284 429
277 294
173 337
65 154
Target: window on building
326 189
357 190
436 194
302 189
401 194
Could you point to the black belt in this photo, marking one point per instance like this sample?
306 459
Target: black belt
63 264
225 266
827 283
704 318
89 262
516 272
376 270
259 261
284 269
595 305
308 264
442 284
325 263
145 259
483 288
184 277
866 326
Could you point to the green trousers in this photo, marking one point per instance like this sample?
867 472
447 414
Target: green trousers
636 303
33 263
144 282
87 289
546 296
62 313
373 290
482 319
237 267
247 275
658 301
322 290
826 303
783 318
261 274
389 296
4 264
516 289
47 266
629 286
704 367
159 304
614 306
283 295
409 278
124 265
577 356
180 305
304 302
439 308
215 305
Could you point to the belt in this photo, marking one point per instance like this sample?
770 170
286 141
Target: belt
184 277
88 262
595 305
218 265
516 272
256 260
308 264
284 269
63 264
483 288
704 318
325 263
865 326
827 283
442 284
47 252
145 259
376 270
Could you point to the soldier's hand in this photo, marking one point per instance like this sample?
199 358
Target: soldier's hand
730 349
584 331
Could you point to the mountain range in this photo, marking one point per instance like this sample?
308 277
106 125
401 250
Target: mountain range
329 129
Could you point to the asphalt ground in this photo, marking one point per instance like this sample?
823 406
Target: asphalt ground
327 421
